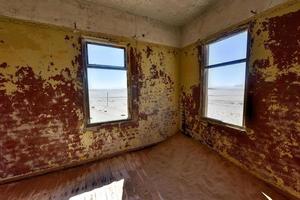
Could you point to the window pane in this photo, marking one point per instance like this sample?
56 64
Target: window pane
107 95
105 55
229 49
225 93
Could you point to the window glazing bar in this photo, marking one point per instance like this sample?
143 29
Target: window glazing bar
106 67
227 63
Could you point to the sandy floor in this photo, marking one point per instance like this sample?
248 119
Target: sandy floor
179 168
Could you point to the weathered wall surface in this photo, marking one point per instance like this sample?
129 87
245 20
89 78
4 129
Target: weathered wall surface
223 14
270 146
90 16
41 99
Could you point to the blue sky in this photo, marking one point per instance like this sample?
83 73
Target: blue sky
227 76
106 78
105 55
232 48
229 49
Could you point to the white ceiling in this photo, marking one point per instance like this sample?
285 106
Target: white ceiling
174 12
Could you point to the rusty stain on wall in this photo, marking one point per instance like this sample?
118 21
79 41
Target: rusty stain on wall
41 99
269 147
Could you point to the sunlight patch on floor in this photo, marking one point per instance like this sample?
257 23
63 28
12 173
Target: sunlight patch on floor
113 191
268 198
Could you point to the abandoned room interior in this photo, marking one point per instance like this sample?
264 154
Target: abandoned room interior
150 100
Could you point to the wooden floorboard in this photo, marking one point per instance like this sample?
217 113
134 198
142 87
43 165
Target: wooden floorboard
179 168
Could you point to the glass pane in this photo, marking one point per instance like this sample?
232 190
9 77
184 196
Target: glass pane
229 49
225 93
105 55
107 95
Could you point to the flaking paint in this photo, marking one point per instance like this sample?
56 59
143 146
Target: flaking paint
42 99
42 122
269 147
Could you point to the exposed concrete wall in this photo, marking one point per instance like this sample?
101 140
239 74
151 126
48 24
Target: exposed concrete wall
89 16
41 99
269 147
223 14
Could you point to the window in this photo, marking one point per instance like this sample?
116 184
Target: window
224 79
105 83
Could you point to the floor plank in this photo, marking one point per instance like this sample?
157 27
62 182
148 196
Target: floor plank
179 168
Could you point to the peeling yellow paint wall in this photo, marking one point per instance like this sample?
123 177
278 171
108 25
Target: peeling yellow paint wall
270 146
42 101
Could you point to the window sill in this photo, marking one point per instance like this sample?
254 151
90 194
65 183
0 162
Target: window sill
241 129
108 123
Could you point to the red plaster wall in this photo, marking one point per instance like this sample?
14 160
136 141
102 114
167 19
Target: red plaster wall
270 147
41 100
